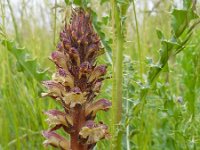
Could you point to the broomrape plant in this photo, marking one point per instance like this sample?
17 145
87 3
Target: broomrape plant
75 85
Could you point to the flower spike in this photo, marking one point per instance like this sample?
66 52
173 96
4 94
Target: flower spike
76 83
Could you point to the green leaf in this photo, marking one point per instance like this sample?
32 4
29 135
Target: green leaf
168 45
123 2
187 4
160 34
153 72
103 1
166 51
28 66
181 20
67 2
77 2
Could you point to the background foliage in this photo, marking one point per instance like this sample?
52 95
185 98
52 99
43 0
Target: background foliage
152 53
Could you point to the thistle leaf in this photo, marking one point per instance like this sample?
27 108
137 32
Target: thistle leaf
29 67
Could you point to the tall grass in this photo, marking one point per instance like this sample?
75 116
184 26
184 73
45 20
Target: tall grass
153 74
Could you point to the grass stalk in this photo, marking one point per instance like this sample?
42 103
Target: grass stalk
138 41
14 22
3 16
55 26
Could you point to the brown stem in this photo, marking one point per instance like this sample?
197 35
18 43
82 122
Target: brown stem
78 122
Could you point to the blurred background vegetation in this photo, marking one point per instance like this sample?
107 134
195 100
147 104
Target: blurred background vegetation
168 118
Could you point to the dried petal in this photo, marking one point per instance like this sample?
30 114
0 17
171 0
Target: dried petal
54 89
56 118
92 133
75 97
55 140
97 72
101 104
64 77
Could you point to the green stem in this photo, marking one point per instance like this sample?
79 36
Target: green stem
14 22
3 16
55 13
138 41
117 74
127 128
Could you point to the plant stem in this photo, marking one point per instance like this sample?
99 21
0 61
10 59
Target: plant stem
2 4
127 128
14 22
78 122
138 42
117 73
54 30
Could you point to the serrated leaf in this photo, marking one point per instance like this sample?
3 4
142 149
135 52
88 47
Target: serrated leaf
165 52
28 66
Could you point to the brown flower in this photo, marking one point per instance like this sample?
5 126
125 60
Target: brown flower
76 83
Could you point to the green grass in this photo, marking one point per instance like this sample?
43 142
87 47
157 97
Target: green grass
160 109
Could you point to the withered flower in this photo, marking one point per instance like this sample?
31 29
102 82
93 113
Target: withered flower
55 140
92 133
75 84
